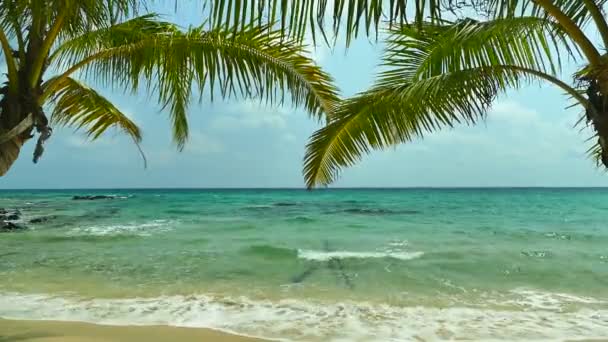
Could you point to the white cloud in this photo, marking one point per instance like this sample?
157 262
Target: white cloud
251 114
199 144
515 131
203 144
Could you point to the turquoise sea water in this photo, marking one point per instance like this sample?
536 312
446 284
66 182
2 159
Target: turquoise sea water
329 265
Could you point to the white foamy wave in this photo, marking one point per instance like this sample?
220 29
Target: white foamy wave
143 229
325 256
539 300
313 321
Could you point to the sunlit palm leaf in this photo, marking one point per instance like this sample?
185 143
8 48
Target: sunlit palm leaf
299 16
256 62
429 86
417 52
353 16
78 106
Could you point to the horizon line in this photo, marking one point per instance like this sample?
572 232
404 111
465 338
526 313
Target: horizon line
320 188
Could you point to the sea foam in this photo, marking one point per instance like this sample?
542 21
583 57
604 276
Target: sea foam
301 320
326 256
142 229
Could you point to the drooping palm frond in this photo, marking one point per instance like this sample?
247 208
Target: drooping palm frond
428 86
353 16
82 14
300 16
417 52
78 106
254 62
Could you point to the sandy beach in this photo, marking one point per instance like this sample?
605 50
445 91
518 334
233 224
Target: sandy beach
51 331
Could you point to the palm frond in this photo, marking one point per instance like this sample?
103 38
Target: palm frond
82 15
255 62
385 116
78 106
355 16
300 16
134 30
529 42
429 86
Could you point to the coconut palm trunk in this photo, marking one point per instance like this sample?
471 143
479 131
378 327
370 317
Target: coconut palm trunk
51 47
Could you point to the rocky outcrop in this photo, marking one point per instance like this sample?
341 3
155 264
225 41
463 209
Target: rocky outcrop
92 198
8 226
43 219
7 221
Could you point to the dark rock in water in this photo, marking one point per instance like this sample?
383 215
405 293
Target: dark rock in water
367 211
10 227
6 215
285 204
379 211
43 219
92 198
299 278
11 217
409 212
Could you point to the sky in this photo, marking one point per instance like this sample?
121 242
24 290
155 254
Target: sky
528 139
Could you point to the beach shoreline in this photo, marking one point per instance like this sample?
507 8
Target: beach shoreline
51 331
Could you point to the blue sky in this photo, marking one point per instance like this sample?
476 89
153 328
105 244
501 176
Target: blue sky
528 140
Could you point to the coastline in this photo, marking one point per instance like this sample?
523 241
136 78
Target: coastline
51 331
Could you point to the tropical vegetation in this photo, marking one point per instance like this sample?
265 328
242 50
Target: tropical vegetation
445 63
50 48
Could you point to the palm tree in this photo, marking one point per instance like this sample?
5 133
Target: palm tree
111 43
439 72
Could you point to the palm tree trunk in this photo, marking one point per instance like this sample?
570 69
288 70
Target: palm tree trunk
12 140
9 151
597 92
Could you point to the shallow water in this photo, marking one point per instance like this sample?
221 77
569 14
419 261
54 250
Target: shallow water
356 265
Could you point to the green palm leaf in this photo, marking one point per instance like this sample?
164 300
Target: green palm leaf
352 16
173 63
76 105
300 16
429 86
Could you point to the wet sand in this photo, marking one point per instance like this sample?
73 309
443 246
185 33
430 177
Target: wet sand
53 331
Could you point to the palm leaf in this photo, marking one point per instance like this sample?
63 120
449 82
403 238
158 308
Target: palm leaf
172 63
78 106
353 16
300 16
428 86
428 50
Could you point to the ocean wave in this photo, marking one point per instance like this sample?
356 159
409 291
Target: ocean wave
270 251
325 255
142 229
258 207
549 301
537 254
301 219
309 320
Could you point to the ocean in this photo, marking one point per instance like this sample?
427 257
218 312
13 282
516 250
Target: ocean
324 265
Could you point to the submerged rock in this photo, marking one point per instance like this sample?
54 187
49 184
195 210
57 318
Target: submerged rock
285 204
92 198
10 227
6 215
11 217
42 219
